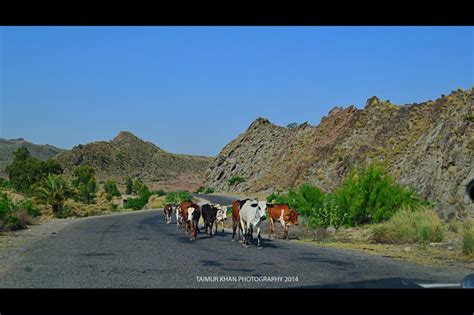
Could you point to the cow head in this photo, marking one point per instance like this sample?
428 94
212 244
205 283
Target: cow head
294 217
262 210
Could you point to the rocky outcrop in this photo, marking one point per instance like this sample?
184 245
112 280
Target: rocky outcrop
428 147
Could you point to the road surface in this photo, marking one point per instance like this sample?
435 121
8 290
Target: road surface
138 250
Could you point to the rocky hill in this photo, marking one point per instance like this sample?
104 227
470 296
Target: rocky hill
128 155
8 146
427 146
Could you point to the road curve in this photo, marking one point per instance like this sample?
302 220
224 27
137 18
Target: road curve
138 250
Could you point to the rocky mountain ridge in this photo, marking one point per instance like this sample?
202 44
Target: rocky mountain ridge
428 147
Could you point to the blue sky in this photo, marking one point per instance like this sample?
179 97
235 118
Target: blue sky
194 89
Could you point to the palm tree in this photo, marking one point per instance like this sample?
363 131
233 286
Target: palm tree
53 190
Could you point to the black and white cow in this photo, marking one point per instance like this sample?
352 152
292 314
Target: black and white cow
168 210
252 214
209 214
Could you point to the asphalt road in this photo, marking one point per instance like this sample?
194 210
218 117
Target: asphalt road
138 250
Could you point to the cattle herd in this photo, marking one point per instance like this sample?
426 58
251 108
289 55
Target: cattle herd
247 216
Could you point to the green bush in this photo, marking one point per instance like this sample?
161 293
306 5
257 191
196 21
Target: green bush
138 203
200 190
421 225
178 196
13 216
235 180
161 192
369 195
111 189
85 184
330 214
54 191
292 125
208 190
4 183
28 206
468 238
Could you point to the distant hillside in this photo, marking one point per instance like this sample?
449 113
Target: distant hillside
128 155
428 146
8 146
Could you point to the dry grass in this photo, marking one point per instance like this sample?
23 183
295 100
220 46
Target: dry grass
155 202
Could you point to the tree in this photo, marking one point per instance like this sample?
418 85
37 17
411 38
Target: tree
292 125
111 189
25 171
53 190
137 186
129 185
85 184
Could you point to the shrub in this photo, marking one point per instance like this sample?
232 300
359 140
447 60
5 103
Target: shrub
235 180
110 188
27 205
208 190
85 184
421 225
161 193
140 202
12 216
369 195
330 214
4 183
200 190
178 196
53 191
468 238
292 125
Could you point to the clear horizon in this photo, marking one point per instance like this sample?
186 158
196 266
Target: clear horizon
191 90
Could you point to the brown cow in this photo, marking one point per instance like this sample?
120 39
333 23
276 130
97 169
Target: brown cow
236 219
283 214
191 214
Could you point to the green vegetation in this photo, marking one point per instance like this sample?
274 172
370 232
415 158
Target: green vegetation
138 203
470 118
468 239
178 196
16 216
85 184
235 180
367 195
204 190
161 192
54 191
137 186
421 225
25 171
292 125
4 183
128 185
111 190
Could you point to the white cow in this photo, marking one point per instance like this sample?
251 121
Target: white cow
252 213
221 216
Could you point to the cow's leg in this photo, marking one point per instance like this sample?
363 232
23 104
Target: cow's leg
286 231
234 228
259 238
272 228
